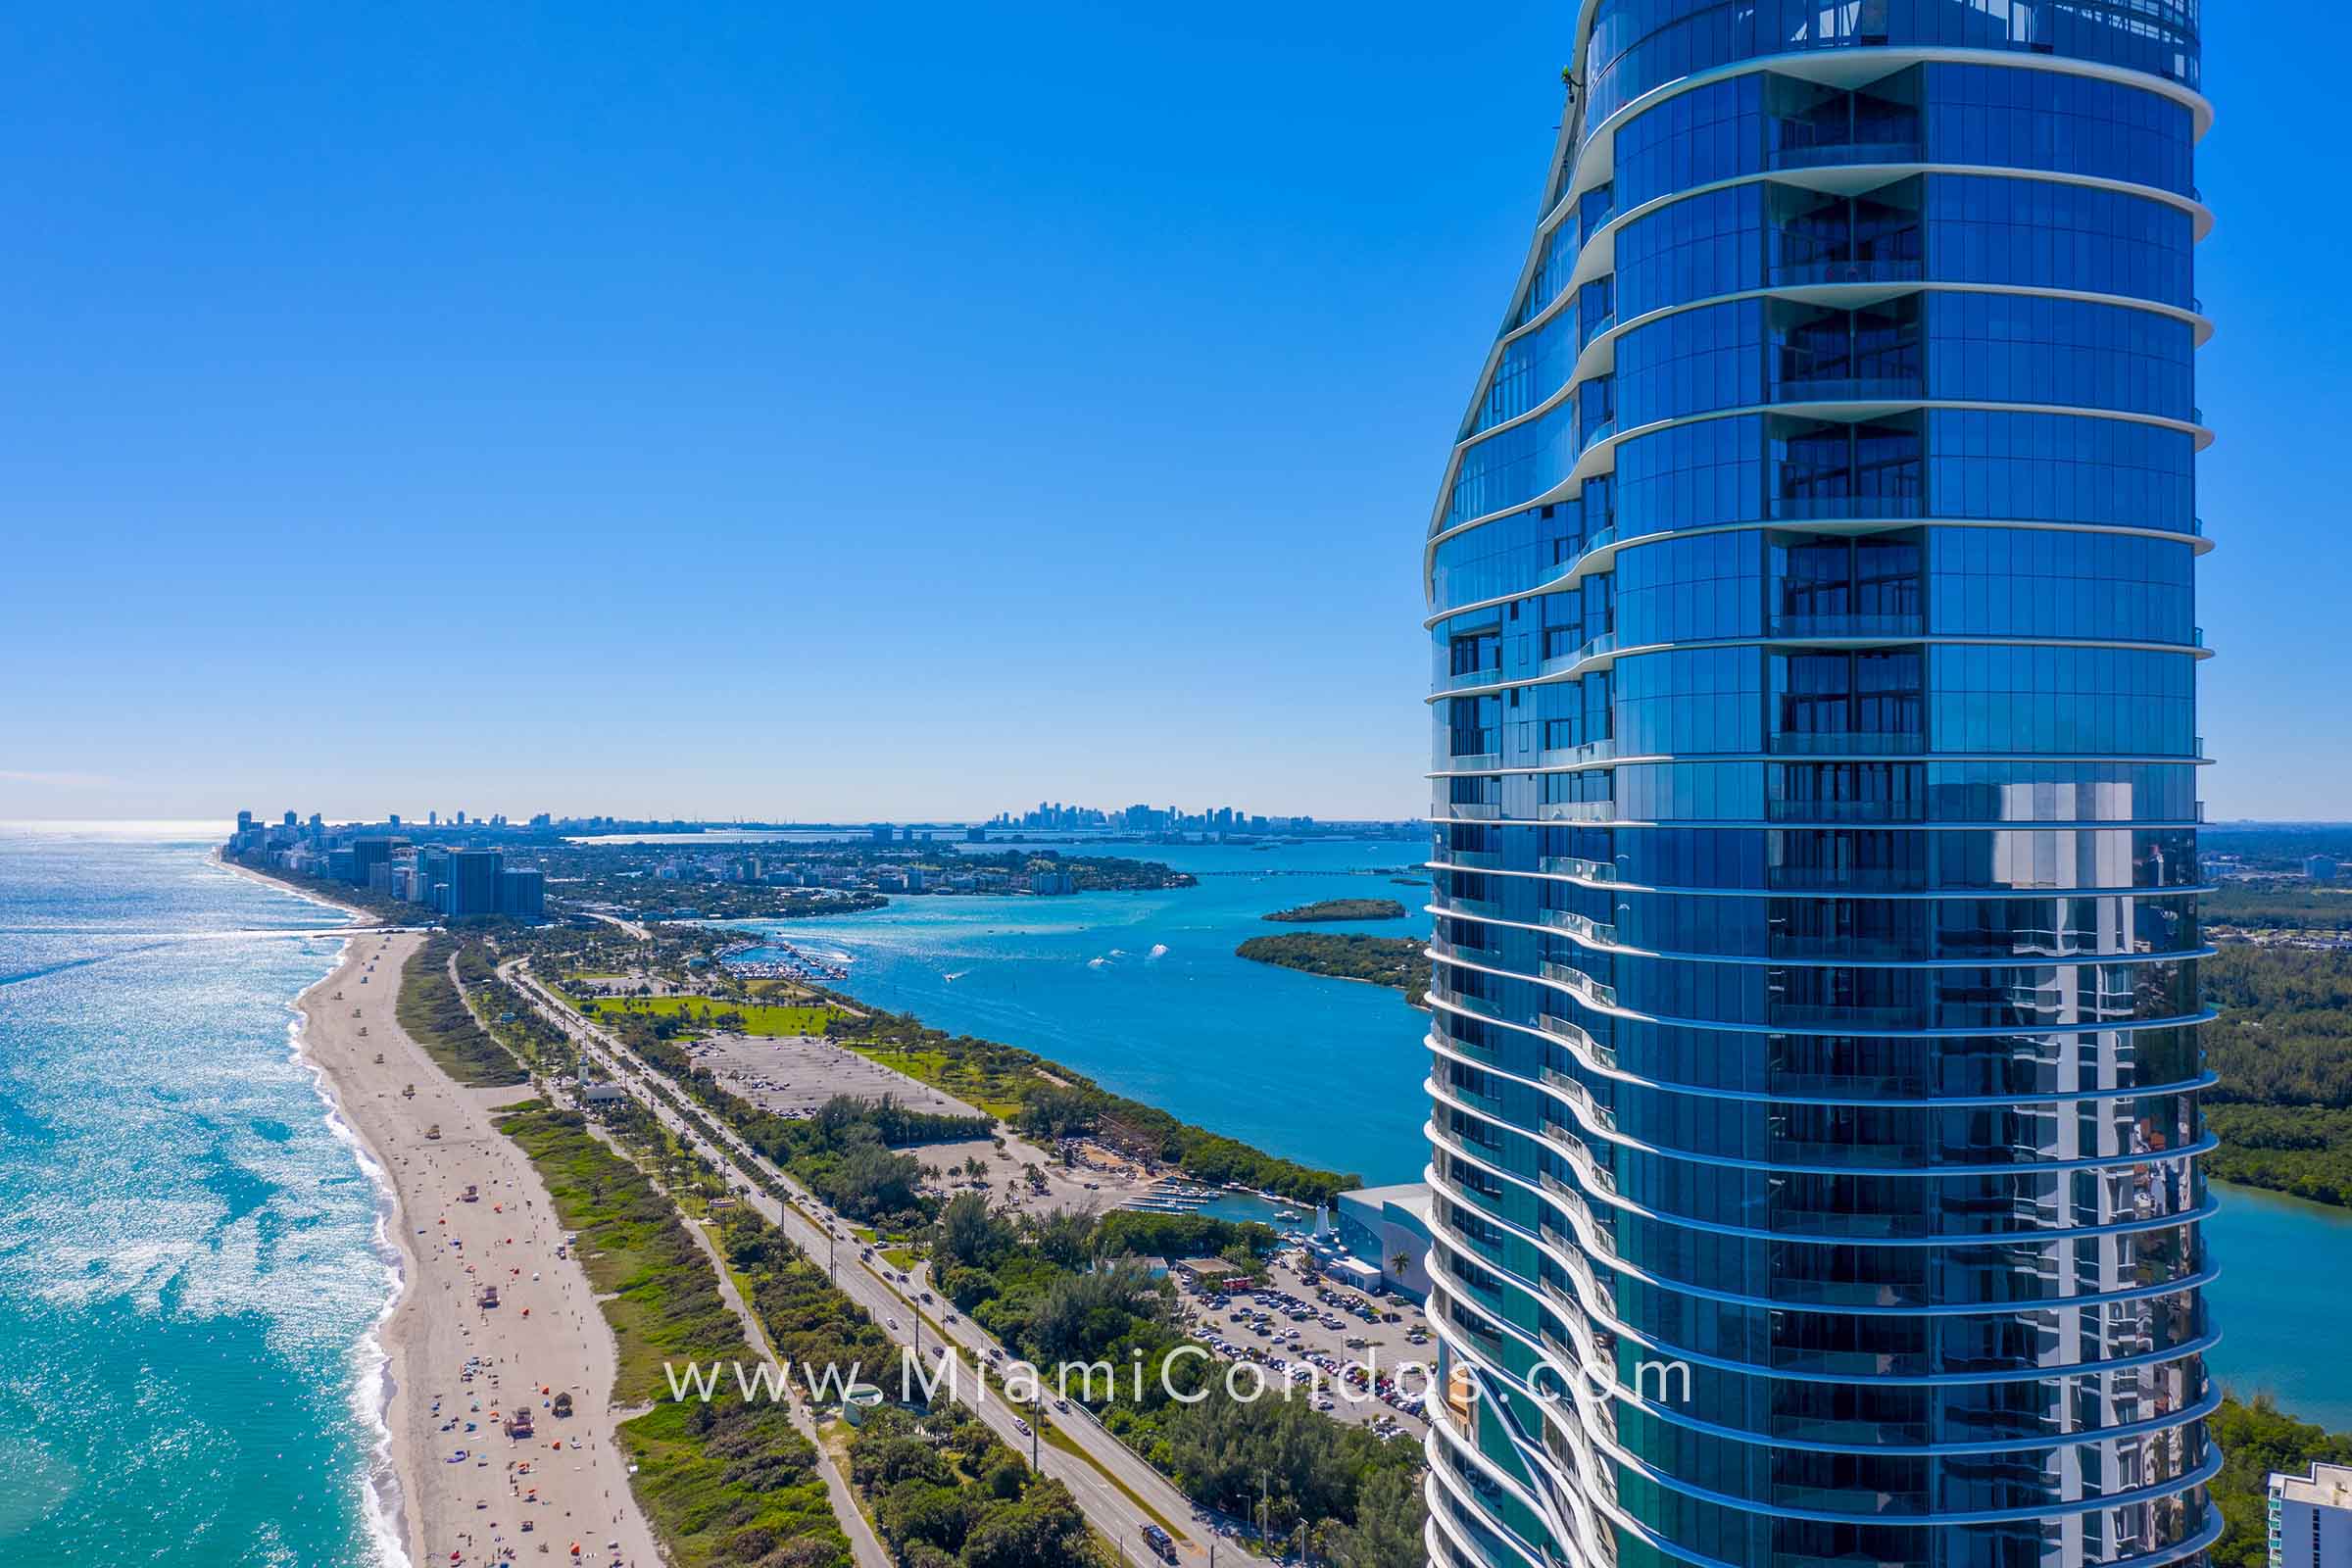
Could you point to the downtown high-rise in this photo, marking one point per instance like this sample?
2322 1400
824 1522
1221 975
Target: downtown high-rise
1815 1064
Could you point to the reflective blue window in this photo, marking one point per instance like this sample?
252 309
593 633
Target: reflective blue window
1695 138
2039 234
2042 583
2049 119
2088 699
1691 250
1690 700
2025 348
1689 590
2058 467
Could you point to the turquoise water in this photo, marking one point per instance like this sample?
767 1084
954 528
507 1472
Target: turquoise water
1330 1072
1142 991
2287 1273
190 1268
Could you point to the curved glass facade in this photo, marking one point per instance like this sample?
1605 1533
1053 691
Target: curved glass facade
1815 1068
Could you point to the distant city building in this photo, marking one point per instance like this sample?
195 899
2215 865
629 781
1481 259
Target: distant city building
2311 1518
522 893
2319 868
474 877
1052 882
369 852
880 832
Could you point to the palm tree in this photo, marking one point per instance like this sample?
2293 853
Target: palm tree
1402 1263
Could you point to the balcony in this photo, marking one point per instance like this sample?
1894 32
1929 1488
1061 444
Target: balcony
1850 389
1580 925
1859 812
1577 811
1577 867
1869 270
1818 1017
1846 508
1469 811
1845 743
1483 1007
1475 908
1459 679
1584 985
1828 155
1594 434
1573 1088
1593 647
1913 624
1474 860
1472 762
1579 1037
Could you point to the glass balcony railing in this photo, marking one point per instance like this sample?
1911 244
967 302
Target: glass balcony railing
1913 624
1843 509
1580 925
1583 984
1579 1037
1848 389
1855 743
1594 434
1822 155
1866 270
1577 811
1470 811
1860 812
1577 867
1491 675
1591 647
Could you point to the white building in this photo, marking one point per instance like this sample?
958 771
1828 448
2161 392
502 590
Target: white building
2311 1518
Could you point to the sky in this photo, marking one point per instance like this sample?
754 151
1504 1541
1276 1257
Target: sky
841 413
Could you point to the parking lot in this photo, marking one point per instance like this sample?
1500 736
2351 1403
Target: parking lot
1332 1340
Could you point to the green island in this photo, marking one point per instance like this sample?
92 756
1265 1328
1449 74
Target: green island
1398 961
2282 1047
1340 909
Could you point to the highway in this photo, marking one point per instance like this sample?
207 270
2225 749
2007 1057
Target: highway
1110 1505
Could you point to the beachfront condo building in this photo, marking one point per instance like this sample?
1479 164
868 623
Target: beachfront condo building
1815 1069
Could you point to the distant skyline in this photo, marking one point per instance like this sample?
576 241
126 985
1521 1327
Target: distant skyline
826 415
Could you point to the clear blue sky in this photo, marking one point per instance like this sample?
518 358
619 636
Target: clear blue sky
873 411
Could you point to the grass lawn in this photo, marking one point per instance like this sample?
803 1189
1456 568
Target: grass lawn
995 1093
749 1018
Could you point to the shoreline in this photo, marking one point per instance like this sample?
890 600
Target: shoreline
388 1485
447 1366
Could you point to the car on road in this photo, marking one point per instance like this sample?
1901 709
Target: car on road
1061 1404
1162 1544
894 1324
1021 1426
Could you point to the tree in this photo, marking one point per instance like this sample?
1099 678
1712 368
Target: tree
1043 1530
967 1234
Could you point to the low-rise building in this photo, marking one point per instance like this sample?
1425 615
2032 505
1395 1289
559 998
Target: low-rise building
2311 1518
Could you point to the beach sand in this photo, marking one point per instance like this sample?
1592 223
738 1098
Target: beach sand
453 1359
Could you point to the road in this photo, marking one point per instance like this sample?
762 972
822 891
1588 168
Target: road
1104 1476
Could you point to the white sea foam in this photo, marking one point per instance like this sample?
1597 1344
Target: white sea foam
372 1382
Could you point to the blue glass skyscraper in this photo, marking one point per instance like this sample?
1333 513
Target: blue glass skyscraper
1815 1068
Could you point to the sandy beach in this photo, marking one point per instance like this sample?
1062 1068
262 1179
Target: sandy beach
471 1491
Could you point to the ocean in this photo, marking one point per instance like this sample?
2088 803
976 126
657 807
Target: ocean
191 1262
